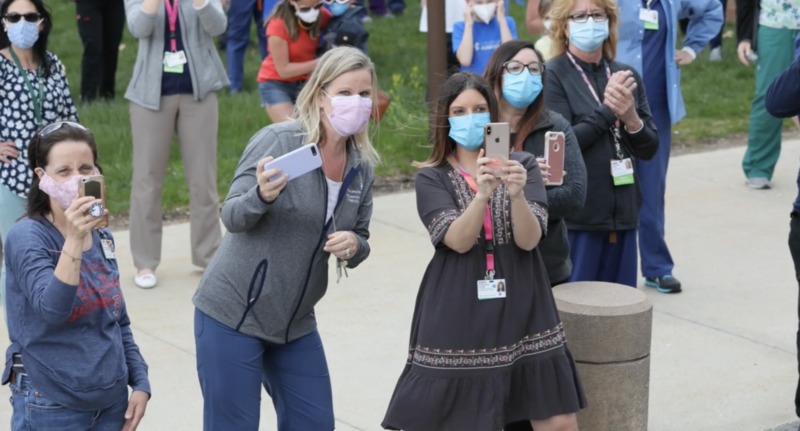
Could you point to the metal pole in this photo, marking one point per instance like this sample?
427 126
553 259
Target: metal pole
437 49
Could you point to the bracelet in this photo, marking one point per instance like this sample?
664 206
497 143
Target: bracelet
74 259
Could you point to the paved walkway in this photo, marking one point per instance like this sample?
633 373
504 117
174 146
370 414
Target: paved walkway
723 353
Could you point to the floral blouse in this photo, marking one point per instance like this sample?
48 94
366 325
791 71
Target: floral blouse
17 118
780 14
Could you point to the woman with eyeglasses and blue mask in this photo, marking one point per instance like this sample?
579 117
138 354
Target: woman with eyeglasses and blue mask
33 92
516 71
487 347
72 357
607 106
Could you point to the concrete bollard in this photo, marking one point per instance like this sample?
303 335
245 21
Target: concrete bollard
608 328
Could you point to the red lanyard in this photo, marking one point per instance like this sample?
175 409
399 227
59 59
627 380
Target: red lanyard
487 225
172 19
614 130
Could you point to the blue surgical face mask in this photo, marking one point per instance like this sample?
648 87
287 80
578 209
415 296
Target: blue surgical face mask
23 34
338 9
467 130
588 36
522 89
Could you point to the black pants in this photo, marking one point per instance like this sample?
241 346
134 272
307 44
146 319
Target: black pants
794 247
100 25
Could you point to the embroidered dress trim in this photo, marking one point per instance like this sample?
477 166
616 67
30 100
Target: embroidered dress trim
541 213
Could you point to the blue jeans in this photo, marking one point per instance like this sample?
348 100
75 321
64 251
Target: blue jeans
277 92
240 13
232 367
32 411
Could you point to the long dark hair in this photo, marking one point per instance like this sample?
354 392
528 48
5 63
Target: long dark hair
494 74
40 47
443 145
285 11
39 153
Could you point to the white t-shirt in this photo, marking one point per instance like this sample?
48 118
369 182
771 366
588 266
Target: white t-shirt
333 196
453 11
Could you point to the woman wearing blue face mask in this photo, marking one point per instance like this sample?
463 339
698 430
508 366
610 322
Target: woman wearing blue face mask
345 27
33 92
515 71
481 357
606 104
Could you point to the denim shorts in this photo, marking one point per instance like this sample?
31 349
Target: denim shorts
277 92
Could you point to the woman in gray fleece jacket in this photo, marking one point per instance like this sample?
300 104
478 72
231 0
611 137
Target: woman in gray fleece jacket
255 321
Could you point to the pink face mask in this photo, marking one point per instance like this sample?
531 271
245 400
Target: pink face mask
350 114
63 192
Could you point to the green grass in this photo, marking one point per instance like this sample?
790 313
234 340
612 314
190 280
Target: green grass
717 96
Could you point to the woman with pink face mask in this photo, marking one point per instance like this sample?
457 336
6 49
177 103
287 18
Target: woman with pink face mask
72 356
254 318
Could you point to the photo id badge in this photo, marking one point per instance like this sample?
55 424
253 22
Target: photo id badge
650 18
174 61
492 289
108 248
622 172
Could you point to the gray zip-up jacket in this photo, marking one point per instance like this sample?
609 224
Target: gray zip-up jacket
270 270
197 28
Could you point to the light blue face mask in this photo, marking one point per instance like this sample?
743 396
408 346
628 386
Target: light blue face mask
338 9
522 89
467 130
588 36
23 34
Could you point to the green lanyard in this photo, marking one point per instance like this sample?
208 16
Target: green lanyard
37 99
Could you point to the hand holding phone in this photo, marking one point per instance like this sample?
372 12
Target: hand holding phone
554 151
497 145
296 163
94 186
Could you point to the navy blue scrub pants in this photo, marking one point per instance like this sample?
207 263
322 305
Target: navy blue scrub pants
240 14
596 258
232 367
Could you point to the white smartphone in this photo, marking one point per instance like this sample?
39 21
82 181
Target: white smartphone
296 163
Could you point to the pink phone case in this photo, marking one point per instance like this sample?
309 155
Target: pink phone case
554 155
296 163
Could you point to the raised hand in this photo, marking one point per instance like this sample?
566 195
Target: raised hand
269 189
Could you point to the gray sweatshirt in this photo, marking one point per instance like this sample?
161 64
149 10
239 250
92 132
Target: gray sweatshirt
270 269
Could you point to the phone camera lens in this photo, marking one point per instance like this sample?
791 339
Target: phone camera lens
489 130
313 151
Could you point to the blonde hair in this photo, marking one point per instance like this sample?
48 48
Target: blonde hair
559 16
308 110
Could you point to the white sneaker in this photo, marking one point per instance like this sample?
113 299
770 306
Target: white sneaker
146 281
758 183
716 54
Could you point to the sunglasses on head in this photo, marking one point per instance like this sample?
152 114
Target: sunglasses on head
50 128
330 2
307 8
14 17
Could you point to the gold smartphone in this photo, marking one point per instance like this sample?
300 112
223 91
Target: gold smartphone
94 185
497 145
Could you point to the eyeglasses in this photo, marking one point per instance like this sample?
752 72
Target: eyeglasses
307 8
595 16
14 17
515 67
50 128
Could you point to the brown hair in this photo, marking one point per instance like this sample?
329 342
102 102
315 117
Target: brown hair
285 11
494 74
443 145
559 16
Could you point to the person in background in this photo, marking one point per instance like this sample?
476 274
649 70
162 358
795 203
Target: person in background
453 12
100 26
72 354
174 90
237 36
607 107
782 100
716 43
345 27
293 33
515 72
484 28
33 92
647 41
767 28
254 318
545 44
478 358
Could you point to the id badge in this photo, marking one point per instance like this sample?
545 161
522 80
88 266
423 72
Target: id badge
622 172
174 61
492 289
649 17
108 248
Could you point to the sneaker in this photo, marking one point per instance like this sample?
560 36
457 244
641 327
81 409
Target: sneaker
664 284
758 183
716 54
146 281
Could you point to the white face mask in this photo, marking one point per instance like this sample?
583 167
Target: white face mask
309 17
547 24
485 12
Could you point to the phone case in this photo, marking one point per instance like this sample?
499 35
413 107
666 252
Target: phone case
296 163
554 155
94 185
497 145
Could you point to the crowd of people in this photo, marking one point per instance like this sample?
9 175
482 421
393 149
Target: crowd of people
486 338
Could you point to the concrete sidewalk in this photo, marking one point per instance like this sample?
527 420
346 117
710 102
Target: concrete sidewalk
723 354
